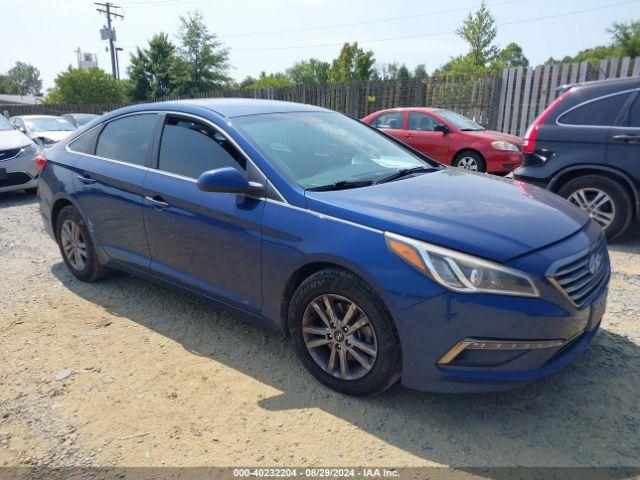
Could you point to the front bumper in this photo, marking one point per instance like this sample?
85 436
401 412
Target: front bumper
556 330
499 161
18 173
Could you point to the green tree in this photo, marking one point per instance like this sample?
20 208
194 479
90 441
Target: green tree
3 83
511 56
78 86
353 63
153 71
479 30
273 80
420 71
309 71
23 79
204 61
626 38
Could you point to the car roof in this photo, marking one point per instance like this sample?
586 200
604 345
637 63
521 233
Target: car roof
237 107
35 116
412 109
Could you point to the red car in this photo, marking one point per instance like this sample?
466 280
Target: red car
450 138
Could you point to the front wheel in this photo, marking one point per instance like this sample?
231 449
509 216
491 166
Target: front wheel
605 200
470 161
343 333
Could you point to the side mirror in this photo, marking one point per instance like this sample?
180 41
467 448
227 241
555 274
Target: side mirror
442 128
228 180
22 129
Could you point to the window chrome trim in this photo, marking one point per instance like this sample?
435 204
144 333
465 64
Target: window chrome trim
170 174
586 102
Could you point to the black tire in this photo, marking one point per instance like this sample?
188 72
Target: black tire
620 197
92 269
482 165
31 191
386 368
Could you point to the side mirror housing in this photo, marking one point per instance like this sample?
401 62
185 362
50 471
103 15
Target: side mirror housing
442 128
228 180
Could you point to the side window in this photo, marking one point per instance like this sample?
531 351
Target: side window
85 143
391 120
634 113
602 112
422 122
189 148
127 139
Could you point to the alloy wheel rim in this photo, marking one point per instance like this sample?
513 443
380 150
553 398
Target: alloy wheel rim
339 337
468 163
597 203
73 244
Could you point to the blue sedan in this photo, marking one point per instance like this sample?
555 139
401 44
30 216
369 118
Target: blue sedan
380 264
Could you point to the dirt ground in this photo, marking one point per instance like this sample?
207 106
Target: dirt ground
125 373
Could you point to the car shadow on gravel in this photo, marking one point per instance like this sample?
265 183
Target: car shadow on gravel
586 415
17 198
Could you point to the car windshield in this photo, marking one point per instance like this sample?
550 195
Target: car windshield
459 121
48 124
317 149
5 124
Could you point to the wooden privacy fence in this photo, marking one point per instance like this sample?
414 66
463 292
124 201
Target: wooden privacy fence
525 93
507 102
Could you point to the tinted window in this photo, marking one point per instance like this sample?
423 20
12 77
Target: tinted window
421 121
599 112
189 148
85 143
392 120
634 113
127 139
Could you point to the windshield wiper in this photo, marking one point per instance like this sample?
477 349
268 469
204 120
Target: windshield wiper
341 185
403 173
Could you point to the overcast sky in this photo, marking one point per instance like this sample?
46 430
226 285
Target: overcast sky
45 33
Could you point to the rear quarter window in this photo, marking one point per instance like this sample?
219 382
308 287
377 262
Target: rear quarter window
85 143
127 139
599 112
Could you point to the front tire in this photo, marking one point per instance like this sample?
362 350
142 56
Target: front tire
470 161
605 200
343 334
76 245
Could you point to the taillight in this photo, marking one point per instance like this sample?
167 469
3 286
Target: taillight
529 140
41 161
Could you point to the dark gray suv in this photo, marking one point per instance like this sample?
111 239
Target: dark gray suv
586 147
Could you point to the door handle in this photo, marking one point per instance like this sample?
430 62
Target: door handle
627 138
157 202
86 179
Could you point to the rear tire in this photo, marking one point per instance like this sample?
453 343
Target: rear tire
76 245
365 340
605 200
470 161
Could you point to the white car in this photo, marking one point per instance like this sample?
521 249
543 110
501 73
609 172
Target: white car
45 130
17 159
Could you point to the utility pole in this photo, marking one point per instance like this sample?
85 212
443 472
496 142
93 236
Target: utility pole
109 33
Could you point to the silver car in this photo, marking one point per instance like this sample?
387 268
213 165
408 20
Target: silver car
17 159
45 130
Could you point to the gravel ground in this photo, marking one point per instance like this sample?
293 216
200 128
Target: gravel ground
122 372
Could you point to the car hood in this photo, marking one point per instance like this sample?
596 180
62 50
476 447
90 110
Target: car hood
55 135
492 135
11 139
480 214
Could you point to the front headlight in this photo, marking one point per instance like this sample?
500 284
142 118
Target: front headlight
31 149
506 146
461 272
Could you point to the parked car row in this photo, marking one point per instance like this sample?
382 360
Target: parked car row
21 139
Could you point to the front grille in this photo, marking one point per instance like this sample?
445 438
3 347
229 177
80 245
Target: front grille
7 154
579 276
14 178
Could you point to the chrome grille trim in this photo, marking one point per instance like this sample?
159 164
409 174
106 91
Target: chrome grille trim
571 275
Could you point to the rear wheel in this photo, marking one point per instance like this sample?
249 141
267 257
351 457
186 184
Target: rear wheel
343 333
76 245
605 200
470 161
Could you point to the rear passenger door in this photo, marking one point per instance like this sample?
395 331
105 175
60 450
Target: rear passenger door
207 241
109 186
623 151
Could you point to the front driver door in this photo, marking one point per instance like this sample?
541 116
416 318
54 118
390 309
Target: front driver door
207 241
422 137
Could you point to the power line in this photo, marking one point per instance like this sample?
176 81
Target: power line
433 34
109 33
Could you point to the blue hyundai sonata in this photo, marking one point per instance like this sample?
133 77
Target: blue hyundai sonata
381 264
